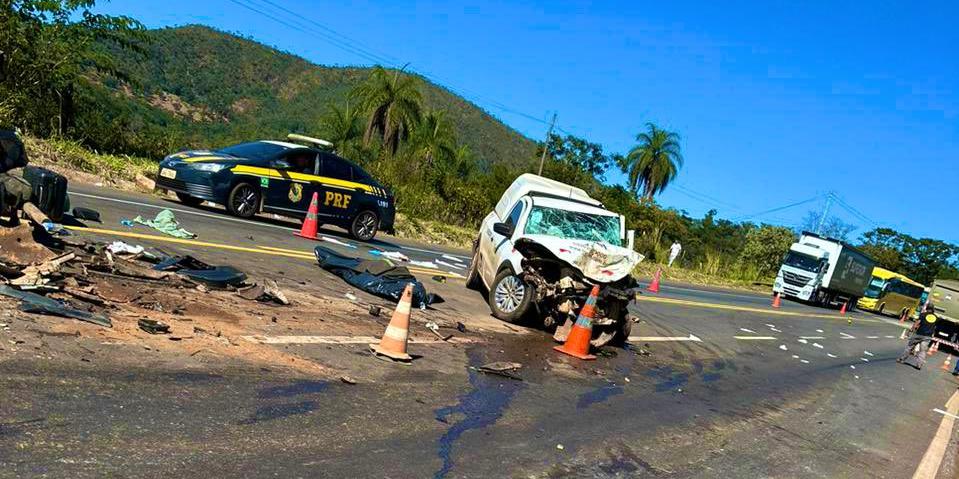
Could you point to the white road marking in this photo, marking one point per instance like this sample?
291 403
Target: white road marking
929 465
867 353
852 367
747 331
812 337
783 347
872 337
804 361
795 356
890 337
339 340
864 360
691 337
818 330
770 325
770 338
847 336
831 355
803 341
817 345
224 217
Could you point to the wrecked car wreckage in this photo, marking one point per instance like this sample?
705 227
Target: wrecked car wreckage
560 289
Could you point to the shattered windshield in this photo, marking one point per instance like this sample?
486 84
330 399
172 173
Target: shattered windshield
573 225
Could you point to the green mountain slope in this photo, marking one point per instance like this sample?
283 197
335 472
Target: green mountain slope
195 86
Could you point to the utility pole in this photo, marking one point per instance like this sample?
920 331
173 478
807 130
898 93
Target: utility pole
549 132
825 212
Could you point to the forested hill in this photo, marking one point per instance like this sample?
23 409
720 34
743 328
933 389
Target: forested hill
196 86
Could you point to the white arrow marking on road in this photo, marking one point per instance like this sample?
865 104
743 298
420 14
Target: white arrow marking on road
768 338
665 338
747 331
847 336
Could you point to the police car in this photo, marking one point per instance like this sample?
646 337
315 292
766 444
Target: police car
281 177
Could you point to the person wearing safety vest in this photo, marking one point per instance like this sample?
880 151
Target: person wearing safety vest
923 331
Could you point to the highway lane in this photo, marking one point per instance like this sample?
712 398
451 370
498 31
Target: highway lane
733 404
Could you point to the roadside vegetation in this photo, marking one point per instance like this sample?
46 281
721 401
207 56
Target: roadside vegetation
90 82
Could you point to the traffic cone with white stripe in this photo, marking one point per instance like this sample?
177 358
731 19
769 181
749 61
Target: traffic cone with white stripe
310 224
777 301
393 343
934 348
946 366
577 343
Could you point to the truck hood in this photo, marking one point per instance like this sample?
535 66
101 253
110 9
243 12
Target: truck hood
598 261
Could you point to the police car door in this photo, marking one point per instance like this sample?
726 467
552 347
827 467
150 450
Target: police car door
337 191
292 190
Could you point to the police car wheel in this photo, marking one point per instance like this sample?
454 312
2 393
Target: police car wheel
244 200
364 226
188 200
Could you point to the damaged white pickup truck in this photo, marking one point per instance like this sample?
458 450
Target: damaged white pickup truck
542 249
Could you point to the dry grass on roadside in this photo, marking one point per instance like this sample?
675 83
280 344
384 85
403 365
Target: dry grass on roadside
70 158
647 269
434 232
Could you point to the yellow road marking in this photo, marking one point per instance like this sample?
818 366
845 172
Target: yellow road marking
261 249
729 307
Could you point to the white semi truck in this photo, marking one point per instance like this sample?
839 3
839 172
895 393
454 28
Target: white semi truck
823 271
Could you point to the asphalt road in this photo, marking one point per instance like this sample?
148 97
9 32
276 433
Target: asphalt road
714 384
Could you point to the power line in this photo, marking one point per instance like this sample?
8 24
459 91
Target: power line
352 46
773 210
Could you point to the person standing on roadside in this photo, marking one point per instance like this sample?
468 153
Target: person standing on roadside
923 330
674 251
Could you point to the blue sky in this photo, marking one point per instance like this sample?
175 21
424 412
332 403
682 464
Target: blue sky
776 102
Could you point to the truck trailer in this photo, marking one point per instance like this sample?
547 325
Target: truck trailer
823 271
944 295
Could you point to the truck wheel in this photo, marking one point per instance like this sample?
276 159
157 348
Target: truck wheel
364 225
509 297
243 200
188 200
472 274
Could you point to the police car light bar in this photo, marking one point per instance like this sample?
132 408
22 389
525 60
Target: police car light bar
309 140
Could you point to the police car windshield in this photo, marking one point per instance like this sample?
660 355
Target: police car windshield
257 150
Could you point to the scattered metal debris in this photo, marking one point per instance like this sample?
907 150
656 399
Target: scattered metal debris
35 303
153 326
501 368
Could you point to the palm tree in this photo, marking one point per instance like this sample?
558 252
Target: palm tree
654 163
342 127
394 104
433 139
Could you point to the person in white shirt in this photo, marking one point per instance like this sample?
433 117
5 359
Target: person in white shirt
674 251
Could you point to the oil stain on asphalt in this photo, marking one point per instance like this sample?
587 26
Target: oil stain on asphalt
481 407
270 412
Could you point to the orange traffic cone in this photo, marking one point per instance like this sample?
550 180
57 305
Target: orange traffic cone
842 310
934 348
946 366
577 343
776 301
654 286
310 225
902 317
393 343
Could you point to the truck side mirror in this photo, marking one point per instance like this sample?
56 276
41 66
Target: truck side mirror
631 239
504 229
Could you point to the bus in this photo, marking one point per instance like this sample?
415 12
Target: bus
891 293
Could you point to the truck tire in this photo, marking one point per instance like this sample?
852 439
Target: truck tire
510 297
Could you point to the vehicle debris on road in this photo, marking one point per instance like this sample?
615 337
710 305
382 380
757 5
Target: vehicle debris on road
153 326
166 223
501 368
377 277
